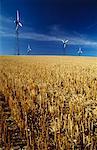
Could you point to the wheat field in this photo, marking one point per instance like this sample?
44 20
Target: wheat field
48 103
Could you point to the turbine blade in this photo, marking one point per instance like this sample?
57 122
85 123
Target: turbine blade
17 16
17 27
62 41
20 24
64 45
66 41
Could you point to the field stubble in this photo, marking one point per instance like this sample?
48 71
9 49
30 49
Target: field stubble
48 102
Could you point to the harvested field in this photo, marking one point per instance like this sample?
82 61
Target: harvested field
48 103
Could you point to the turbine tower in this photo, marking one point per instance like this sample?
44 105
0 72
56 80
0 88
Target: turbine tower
18 24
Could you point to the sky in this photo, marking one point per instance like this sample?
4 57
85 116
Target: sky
46 23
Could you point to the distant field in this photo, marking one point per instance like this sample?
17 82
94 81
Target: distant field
48 103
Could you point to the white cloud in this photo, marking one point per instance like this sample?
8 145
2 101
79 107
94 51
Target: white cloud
5 18
38 37
80 41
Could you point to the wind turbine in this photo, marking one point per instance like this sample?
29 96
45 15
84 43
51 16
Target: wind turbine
29 49
18 24
79 51
65 43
